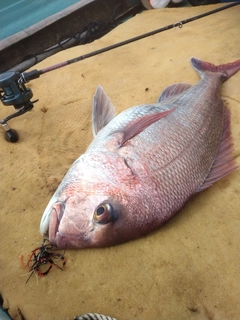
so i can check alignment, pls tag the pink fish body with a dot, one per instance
(144, 164)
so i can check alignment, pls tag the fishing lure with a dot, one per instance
(42, 259)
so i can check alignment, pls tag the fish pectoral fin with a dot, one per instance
(138, 125)
(224, 162)
(103, 110)
(174, 90)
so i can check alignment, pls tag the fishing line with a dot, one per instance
(12, 83)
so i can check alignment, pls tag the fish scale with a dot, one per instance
(143, 164)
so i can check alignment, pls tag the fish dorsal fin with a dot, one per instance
(224, 162)
(138, 125)
(173, 90)
(103, 110)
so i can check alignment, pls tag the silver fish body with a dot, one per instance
(144, 164)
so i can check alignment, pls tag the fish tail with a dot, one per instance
(227, 70)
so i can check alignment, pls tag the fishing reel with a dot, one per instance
(14, 92)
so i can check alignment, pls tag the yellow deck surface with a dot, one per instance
(187, 270)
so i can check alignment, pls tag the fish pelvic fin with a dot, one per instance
(227, 70)
(103, 110)
(224, 162)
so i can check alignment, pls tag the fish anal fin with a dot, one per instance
(224, 162)
(140, 124)
(173, 90)
(103, 110)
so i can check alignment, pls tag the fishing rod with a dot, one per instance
(12, 83)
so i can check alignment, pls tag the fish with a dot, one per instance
(144, 164)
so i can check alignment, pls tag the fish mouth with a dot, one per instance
(56, 215)
(57, 238)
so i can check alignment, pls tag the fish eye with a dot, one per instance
(104, 213)
(100, 210)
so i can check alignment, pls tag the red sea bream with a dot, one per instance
(144, 164)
